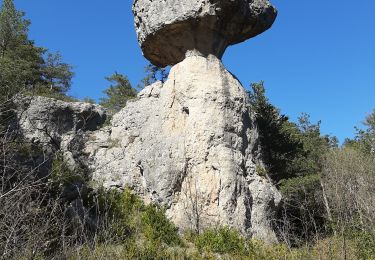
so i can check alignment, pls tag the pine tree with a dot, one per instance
(13, 27)
(58, 75)
(289, 149)
(24, 66)
(118, 93)
(153, 74)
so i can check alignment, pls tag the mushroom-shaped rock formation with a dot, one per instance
(168, 29)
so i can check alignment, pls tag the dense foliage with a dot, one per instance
(327, 190)
(24, 66)
(118, 94)
(289, 149)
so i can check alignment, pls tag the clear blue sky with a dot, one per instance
(318, 58)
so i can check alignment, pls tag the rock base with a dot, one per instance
(190, 144)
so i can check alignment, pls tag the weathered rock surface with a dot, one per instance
(47, 120)
(191, 145)
(168, 29)
(60, 126)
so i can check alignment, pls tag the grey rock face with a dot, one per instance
(191, 145)
(167, 29)
(59, 126)
(48, 121)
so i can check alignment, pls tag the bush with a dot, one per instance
(125, 217)
(158, 228)
(62, 175)
(303, 215)
(221, 240)
(364, 245)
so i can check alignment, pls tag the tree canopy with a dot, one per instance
(153, 74)
(119, 92)
(289, 149)
(24, 66)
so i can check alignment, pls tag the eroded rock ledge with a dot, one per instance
(167, 29)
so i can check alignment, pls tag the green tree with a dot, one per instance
(118, 93)
(277, 135)
(57, 74)
(294, 154)
(20, 60)
(153, 74)
(314, 147)
(24, 66)
(365, 138)
(13, 27)
(289, 149)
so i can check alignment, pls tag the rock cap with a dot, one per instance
(167, 29)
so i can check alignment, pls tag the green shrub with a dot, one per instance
(118, 213)
(62, 174)
(129, 218)
(222, 240)
(364, 244)
(157, 227)
(258, 250)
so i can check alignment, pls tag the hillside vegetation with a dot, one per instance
(328, 210)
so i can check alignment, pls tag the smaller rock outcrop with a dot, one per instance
(47, 120)
(168, 29)
(57, 125)
(59, 130)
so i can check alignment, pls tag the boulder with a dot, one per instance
(47, 121)
(168, 29)
(59, 126)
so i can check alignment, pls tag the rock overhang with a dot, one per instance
(168, 29)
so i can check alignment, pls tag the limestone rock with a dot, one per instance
(59, 126)
(167, 29)
(49, 121)
(190, 144)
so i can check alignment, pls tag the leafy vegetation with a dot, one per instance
(222, 240)
(327, 190)
(289, 149)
